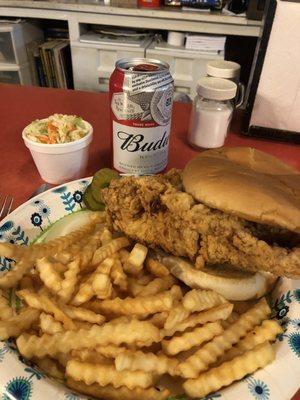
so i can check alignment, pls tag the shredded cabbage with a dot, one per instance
(58, 128)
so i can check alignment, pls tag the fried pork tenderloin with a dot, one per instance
(235, 206)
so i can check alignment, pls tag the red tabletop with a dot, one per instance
(20, 105)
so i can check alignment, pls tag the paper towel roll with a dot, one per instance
(176, 38)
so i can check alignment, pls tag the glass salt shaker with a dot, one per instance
(212, 112)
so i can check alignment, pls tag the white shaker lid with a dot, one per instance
(216, 88)
(223, 69)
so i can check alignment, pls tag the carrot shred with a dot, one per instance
(52, 131)
(44, 139)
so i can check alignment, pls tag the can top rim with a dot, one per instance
(125, 63)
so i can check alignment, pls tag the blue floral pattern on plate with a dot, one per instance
(258, 389)
(21, 380)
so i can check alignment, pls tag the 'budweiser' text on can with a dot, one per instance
(141, 98)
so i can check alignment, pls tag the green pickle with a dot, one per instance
(90, 201)
(101, 180)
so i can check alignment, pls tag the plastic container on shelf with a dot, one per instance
(58, 163)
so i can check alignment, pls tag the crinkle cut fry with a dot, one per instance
(135, 261)
(86, 291)
(139, 305)
(49, 275)
(39, 250)
(149, 362)
(64, 342)
(68, 254)
(14, 326)
(118, 276)
(156, 268)
(159, 319)
(109, 249)
(88, 250)
(102, 286)
(267, 331)
(123, 393)
(48, 324)
(44, 303)
(82, 314)
(110, 350)
(230, 371)
(70, 280)
(233, 317)
(90, 356)
(106, 236)
(62, 287)
(14, 275)
(209, 353)
(157, 285)
(191, 339)
(26, 255)
(104, 375)
(177, 315)
(214, 314)
(199, 300)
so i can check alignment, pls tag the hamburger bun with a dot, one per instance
(247, 183)
(232, 284)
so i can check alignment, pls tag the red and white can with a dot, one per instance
(141, 98)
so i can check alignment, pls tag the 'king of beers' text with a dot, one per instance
(136, 142)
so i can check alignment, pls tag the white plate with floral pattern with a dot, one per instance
(21, 380)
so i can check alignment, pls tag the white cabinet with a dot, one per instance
(186, 66)
(15, 45)
(12, 73)
(94, 63)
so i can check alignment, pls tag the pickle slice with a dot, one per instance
(90, 202)
(101, 180)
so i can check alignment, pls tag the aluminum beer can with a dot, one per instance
(141, 98)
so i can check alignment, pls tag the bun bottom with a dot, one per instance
(233, 285)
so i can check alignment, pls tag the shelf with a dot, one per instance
(169, 19)
(9, 67)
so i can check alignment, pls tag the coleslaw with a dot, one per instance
(57, 128)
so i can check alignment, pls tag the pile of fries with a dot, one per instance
(103, 315)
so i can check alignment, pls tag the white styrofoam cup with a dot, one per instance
(61, 162)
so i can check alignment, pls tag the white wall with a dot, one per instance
(277, 103)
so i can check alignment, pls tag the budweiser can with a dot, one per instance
(141, 98)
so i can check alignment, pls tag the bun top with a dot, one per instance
(248, 183)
